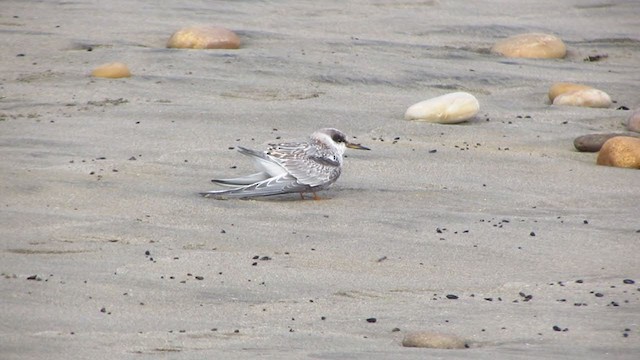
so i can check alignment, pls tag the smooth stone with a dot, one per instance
(633, 123)
(112, 70)
(204, 37)
(433, 340)
(563, 87)
(594, 142)
(588, 98)
(451, 108)
(620, 151)
(532, 46)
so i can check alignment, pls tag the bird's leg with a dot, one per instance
(302, 196)
(315, 196)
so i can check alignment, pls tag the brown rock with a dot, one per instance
(532, 45)
(434, 340)
(563, 87)
(111, 70)
(620, 151)
(204, 37)
(633, 123)
(593, 142)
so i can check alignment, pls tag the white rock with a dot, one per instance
(451, 108)
(588, 97)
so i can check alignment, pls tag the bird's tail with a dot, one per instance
(273, 186)
(244, 180)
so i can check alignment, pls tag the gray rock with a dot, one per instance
(593, 142)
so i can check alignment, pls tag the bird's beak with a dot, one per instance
(356, 146)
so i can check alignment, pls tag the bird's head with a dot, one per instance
(337, 138)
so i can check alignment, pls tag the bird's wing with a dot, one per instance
(263, 162)
(278, 185)
(304, 162)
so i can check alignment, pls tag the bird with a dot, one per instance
(291, 167)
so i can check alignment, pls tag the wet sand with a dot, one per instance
(496, 230)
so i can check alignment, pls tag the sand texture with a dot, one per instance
(495, 231)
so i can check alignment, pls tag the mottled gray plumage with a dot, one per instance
(294, 167)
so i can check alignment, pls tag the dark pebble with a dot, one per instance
(628, 281)
(599, 294)
(556, 328)
(593, 142)
(598, 57)
(532, 234)
(452, 297)
(372, 320)
(199, 277)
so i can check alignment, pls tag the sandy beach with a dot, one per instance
(495, 230)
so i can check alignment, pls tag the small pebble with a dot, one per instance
(204, 37)
(620, 151)
(450, 108)
(532, 46)
(112, 70)
(433, 340)
(372, 320)
(628, 281)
